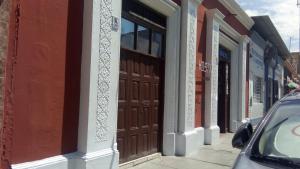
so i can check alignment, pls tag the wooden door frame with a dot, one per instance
(152, 27)
(170, 111)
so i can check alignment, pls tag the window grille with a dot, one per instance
(258, 93)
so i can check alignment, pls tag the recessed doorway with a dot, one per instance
(141, 81)
(224, 89)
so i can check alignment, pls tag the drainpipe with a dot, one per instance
(267, 85)
(274, 69)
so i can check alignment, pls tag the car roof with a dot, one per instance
(294, 95)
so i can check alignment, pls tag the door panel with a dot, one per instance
(140, 105)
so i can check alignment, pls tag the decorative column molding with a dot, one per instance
(212, 130)
(99, 85)
(242, 69)
(187, 66)
(171, 82)
(187, 135)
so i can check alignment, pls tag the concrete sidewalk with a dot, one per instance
(218, 156)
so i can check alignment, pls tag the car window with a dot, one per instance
(281, 135)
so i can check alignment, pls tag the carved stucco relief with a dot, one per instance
(104, 70)
(214, 73)
(192, 67)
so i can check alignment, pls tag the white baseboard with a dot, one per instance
(189, 142)
(108, 158)
(211, 135)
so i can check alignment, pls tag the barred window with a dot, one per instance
(258, 93)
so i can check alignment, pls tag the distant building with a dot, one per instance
(268, 53)
(295, 61)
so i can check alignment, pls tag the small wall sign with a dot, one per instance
(206, 68)
(115, 24)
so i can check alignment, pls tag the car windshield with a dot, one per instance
(280, 138)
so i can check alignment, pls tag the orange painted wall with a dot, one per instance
(42, 80)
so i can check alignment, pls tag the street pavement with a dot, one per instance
(219, 156)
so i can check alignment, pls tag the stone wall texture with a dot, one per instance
(4, 15)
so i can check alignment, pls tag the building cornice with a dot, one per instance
(166, 7)
(241, 15)
(216, 14)
(224, 26)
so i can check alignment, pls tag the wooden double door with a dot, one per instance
(140, 105)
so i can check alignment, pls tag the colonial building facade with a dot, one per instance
(103, 83)
(223, 47)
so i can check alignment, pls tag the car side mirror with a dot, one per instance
(242, 135)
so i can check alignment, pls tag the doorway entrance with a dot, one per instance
(224, 89)
(141, 80)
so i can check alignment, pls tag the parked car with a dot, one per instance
(276, 140)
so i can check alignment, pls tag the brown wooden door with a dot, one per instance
(224, 96)
(140, 105)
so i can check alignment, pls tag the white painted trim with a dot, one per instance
(171, 83)
(165, 7)
(227, 42)
(75, 160)
(224, 26)
(56, 160)
(215, 14)
(235, 8)
(99, 87)
(97, 154)
(211, 83)
(234, 48)
(188, 137)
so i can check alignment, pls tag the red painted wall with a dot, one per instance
(229, 18)
(200, 56)
(7, 129)
(42, 79)
(177, 1)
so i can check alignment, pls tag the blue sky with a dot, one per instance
(284, 14)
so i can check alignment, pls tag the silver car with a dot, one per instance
(276, 140)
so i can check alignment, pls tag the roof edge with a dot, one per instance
(280, 44)
(242, 16)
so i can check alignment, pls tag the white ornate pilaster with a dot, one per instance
(242, 68)
(212, 130)
(99, 85)
(187, 134)
(171, 82)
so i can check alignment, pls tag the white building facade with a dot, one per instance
(256, 78)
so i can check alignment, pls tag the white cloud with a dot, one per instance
(283, 13)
